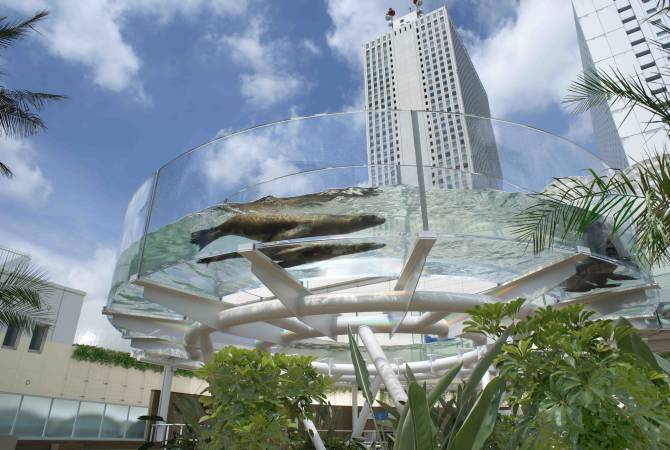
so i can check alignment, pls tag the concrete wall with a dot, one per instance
(53, 373)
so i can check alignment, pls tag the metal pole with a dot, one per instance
(354, 403)
(419, 169)
(313, 434)
(164, 402)
(384, 369)
(362, 419)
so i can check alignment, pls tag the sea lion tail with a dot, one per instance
(203, 237)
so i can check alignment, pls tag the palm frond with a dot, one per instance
(599, 87)
(10, 32)
(15, 121)
(662, 7)
(6, 171)
(22, 287)
(637, 201)
(30, 100)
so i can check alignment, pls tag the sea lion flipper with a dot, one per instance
(619, 276)
(202, 238)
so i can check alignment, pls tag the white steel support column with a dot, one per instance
(362, 419)
(164, 401)
(317, 442)
(354, 403)
(384, 369)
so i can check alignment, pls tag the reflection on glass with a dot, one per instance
(9, 403)
(136, 427)
(88, 421)
(62, 417)
(32, 416)
(114, 423)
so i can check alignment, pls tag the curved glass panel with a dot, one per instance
(350, 199)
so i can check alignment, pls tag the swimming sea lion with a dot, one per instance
(298, 254)
(593, 274)
(317, 198)
(278, 227)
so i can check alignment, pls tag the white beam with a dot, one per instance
(384, 369)
(540, 280)
(411, 271)
(286, 288)
(362, 419)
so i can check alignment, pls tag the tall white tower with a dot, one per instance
(620, 36)
(421, 64)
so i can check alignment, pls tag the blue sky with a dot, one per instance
(148, 79)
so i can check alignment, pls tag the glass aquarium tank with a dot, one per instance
(284, 235)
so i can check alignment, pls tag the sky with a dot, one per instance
(149, 79)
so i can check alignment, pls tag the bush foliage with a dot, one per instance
(256, 398)
(91, 353)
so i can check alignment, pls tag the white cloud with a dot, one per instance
(530, 61)
(267, 79)
(264, 90)
(580, 129)
(250, 158)
(311, 47)
(356, 22)
(29, 184)
(90, 33)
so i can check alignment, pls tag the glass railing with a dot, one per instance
(341, 196)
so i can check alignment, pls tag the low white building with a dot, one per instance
(47, 396)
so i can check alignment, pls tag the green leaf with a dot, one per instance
(361, 369)
(481, 368)
(475, 378)
(629, 341)
(421, 422)
(442, 385)
(663, 363)
(480, 422)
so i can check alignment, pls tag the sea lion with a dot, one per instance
(298, 254)
(593, 274)
(278, 227)
(318, 198)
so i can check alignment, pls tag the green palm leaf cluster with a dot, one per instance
(19, 108)
(635, 201)
(22, 287)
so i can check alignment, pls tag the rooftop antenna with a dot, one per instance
(417, 4)
(390, 14)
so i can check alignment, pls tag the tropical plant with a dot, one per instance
(436, 419)
(256, 397)
(19, 108)
(575, 382)
(635, 200)
(22, 287)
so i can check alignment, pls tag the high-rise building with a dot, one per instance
(421, 64)
(621, 36)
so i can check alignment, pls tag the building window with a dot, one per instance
(11, 339)
(38, 338)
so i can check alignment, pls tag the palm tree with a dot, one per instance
(19, 108)
(636, 200)
(22, 287)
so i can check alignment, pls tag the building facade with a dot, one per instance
(48, 398)
(422, 64)
(621, 36)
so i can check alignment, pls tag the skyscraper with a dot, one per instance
(421, 64)
(620, 36)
